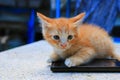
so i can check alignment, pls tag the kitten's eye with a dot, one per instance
(70, 37)
(56, 37)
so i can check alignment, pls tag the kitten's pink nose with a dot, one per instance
(63, 45)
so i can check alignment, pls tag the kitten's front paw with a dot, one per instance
(69, 63)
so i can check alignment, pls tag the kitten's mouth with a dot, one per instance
(64, 47)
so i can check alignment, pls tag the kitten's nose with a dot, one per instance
(63, 45)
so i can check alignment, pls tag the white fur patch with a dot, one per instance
(58, 51)
(68, 62)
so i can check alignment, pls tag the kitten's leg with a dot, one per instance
(114, 55)
(53, 57)
(84, 55)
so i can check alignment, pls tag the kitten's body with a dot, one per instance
(88, 41)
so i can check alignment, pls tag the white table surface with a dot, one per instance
(29, 63)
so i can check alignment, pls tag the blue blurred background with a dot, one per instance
(19, 24)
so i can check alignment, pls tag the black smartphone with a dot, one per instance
(97, 65)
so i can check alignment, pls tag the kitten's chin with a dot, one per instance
(63, 49)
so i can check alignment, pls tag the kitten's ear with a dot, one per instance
(45, 21)
(77, 20)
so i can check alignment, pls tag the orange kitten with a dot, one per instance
(75, 42)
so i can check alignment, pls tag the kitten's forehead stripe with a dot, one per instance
(62, 27)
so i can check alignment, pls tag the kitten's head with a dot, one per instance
(61, 33)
